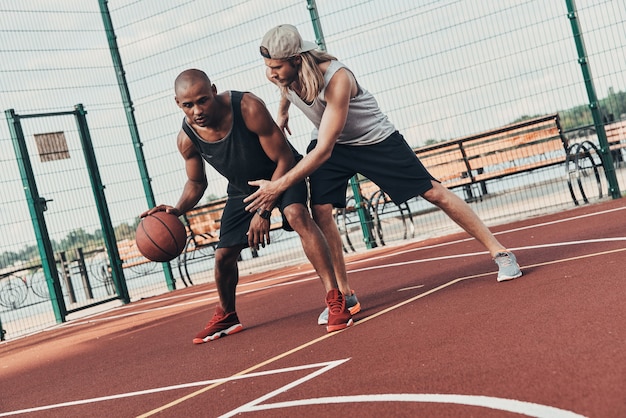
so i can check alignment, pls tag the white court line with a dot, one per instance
(172, 306)
(404, 289)
(508, 231)
(447, 257)
(500, 404)
(354, 270)
(250, 406)
(324, 367)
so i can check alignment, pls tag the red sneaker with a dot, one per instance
(221, 325)
(339, 316)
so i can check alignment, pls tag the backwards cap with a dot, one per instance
(284, 41)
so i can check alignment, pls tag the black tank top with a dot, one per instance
(238, 156)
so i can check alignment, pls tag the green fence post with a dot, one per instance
(132, 123)
(365, 217)
(97, 188)
(317, 25)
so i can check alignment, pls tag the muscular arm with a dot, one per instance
(282, 119)
(258, 120)
(338, 93)
(196, 182)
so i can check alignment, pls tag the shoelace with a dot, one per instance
(215, 320)
(336, 305)
(504, 260)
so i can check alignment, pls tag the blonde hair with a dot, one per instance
(310, 77)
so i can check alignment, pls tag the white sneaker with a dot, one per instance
(508, 268)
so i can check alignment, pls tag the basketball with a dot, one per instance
(160, 237)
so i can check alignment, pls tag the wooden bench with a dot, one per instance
(616, 137)
(469, 162)
(203, 231)
(203, 225)
(512, 149)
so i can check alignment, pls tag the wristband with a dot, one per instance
(265, 214)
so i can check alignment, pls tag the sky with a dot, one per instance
(440, 70)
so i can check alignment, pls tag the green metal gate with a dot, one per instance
(55, 184)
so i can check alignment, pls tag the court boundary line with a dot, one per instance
(506, 231)
(529, 247)
(490, 402)
(495, 403)
(323, 366)
(247, 406)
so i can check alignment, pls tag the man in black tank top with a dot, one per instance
(235, 133)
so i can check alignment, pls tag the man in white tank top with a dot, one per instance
(352, 135)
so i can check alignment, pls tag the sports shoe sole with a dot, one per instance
(339, 327)
(228, 331)
(355, 309)
(506, 278)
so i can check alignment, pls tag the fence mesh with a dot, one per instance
(440, 70)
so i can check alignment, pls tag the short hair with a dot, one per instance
(190, 76)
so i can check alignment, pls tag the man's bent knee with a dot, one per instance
(436, 194)
(297, 215)
(227, 255)
(322, 213)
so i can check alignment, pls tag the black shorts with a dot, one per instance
(236, 219)
(391, 164)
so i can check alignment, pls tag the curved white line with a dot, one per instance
(501, 404)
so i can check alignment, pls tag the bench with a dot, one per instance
(203, 231)
(203, 224)
(616, 137)
(512, 149)
(470, 162)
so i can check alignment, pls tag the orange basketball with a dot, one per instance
(160, 237)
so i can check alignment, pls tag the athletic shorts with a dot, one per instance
(236, 219)
(391, 164)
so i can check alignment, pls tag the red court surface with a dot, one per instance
(438, 337)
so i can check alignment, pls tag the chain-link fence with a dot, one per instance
(441, 70)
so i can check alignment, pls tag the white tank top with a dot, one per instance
(366, 124)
